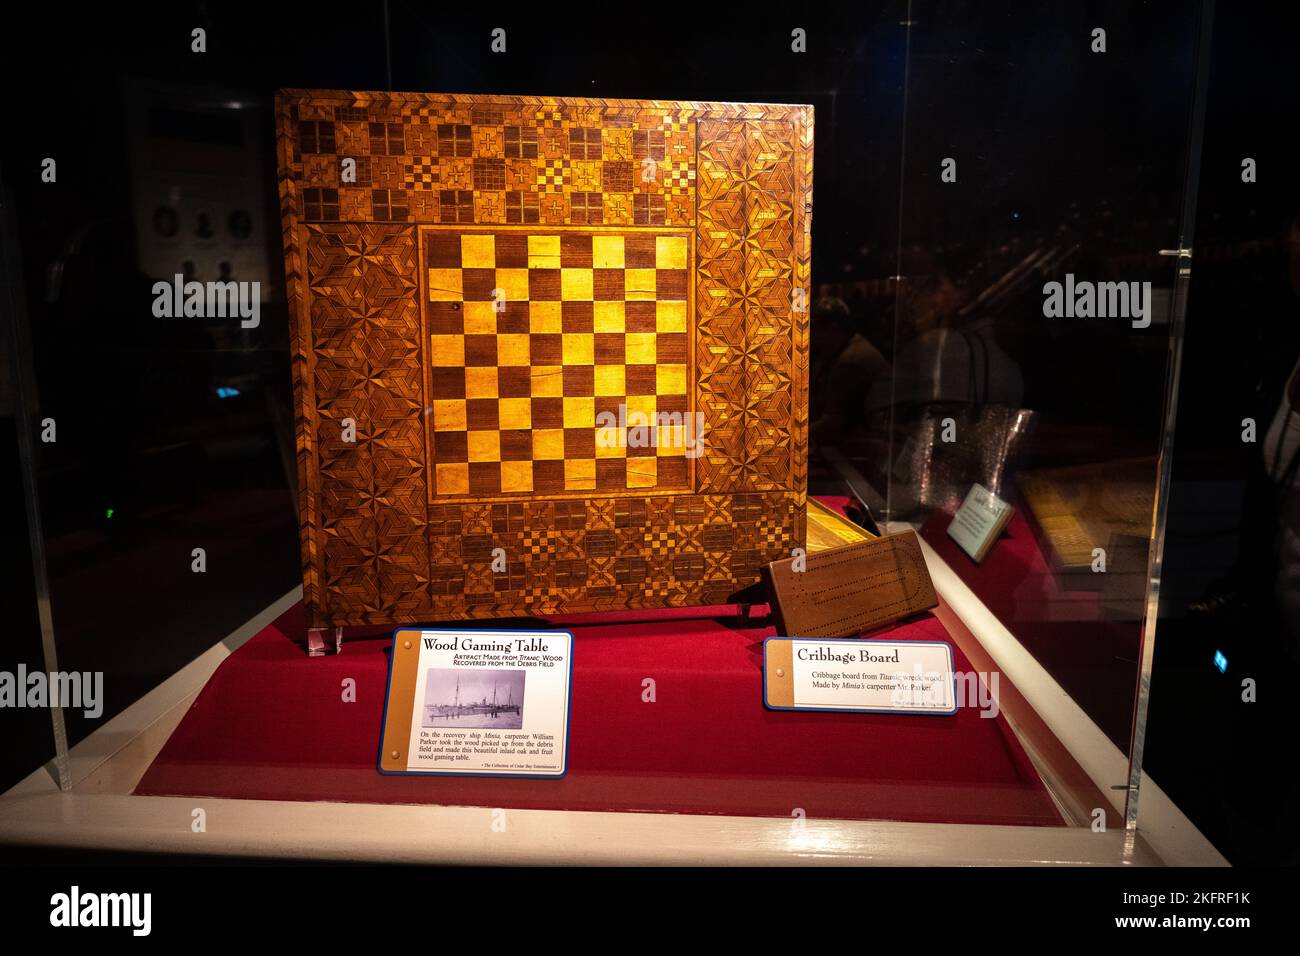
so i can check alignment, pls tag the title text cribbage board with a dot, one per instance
(500, 293)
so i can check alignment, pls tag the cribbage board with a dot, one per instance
(570, 337)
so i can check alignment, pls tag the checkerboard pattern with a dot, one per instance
(582, 325)
(387, 536)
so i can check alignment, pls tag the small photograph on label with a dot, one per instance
(474, 698)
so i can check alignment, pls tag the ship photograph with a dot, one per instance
(474, 698)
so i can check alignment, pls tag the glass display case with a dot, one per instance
(975, 279)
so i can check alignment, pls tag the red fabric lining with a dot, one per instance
(1067, 631)
(271, 724)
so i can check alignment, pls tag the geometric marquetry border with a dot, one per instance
(375, 549)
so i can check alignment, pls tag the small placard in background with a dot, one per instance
(896, 677)
(978, 522)
(481, 703)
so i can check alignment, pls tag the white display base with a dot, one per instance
(1170, 833)
(100, 813)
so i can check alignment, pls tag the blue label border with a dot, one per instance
(392, 657)
(863, 710)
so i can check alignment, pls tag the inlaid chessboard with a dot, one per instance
(589, 326)
(549, 354)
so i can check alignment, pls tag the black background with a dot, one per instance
(1051, 139)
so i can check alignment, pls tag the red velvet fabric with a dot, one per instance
(1093, 658)
(271, 724)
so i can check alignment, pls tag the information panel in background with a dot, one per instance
(483, 703)
(978, 522)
